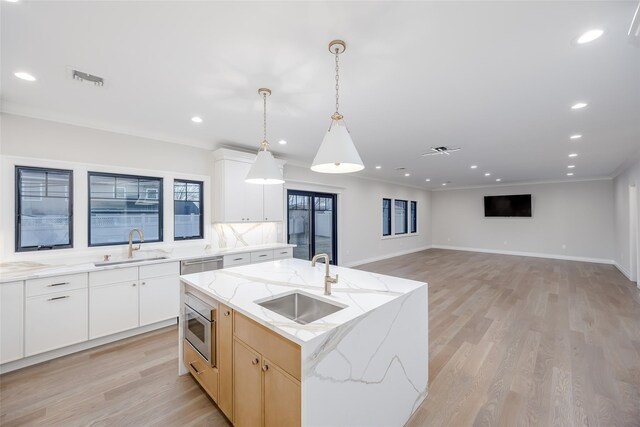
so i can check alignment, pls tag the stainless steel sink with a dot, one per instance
(128, 261)
(300, 308)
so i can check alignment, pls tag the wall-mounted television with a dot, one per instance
(505, 206)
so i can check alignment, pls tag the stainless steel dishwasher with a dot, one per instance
(199, 265)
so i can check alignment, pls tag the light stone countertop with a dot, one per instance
(11, 271)
(360, 292)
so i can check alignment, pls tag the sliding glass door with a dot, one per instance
(312, 224)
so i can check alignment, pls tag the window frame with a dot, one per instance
(388, 221)
(201, 184)
(121, 175)
(406, 217)
(18, 209)
(413, 217)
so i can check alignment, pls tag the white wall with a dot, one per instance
(622, 241)
(32, 142)
(572, 220)
(360, 214)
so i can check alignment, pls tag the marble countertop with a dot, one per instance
(360, 292)
(24, 270)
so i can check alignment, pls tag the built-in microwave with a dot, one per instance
(199, 327)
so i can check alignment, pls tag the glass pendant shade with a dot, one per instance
(337, 153)
(265, 170)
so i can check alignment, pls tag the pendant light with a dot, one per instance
(337, 154)
(265, 170)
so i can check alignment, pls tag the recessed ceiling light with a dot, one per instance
(474, 166)
(196, 119)
(487, 174)
(444, 183)
(25, 76)
(282, 142)
(573, 155)
(407, 174)
(428, 180)
(571, 166)
(378, 167)
(590, 36)
(569, 173)
(12, 1)
(578, 105)
(575, 136)
(498, 179)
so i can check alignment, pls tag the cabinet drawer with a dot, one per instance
(129, 274)
(281, 351)
(237, 259)
(201, 371)
(283, 253)
(158, 270)
(56, 320)
(55, 284)
(261, 256)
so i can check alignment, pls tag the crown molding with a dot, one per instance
(519, 183)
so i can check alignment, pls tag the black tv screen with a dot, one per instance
(517, 205)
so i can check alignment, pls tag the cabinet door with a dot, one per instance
(225, 360)
(113, 308)
(56, 320)
(281, 397)
(247, 387)
(159, 299)
(253, 199)
(11, 321)
(273, 202)
(234, 191)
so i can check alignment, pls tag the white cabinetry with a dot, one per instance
(11, 321)
(237, 201)
(57, 315)
(159, 293)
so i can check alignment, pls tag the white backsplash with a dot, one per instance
(238, 235)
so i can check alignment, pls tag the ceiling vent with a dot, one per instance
(86, 77)
(441, 150)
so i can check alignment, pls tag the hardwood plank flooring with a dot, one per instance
(514, 341)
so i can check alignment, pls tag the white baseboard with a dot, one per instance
(54, 354)
(385, 256)
(529, 254)
(624, 271)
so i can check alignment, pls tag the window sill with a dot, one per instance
(399, 236)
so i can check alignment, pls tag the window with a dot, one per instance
(414, 216)
(400, 216)
(118, 203)
(386, 217)
(187, 210)
(44, 209)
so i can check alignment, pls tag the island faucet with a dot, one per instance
(131, 248)
(328, 280)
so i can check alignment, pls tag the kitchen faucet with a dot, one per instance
(131, 248)
(328, 280)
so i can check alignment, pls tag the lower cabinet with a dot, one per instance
(11, 321)
(159, 299)
(56, 320)
(206, 376)
(247, 386)
(225, 360)
(282, 405)
(114, 308)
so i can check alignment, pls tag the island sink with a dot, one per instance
(299, 307)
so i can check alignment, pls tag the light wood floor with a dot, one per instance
(513, 341)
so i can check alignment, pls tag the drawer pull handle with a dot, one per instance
(265, 367)
(226, 313)
(238, 259)
(255, 361)
(194, 368)
(57, 298)
(59, 284)
(262, 256)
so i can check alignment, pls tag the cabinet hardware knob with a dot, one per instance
(133, 284)
(194, 368)
(226, 313)
(255, 361)
(144, 283)
(265, 367)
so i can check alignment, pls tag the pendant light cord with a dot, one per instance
(337, 83)
(264, 118)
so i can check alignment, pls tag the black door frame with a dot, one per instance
(334, 220)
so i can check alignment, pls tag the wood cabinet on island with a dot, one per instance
(357, 357)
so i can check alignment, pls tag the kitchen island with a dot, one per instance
(366, 363)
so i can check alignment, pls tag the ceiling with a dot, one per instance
(495, 78)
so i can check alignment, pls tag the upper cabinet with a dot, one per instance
(234, 200)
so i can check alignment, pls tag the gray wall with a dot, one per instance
(622, 183)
